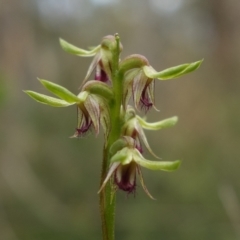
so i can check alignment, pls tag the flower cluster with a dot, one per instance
(115, 81)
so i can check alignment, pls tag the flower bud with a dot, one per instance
(109, 43)
(133, 61)
(98, 88)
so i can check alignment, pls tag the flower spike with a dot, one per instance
(103, 101)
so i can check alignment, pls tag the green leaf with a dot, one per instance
(78, 51)
(54, 102)
(60, 91)
(172, 72)
(169, 122)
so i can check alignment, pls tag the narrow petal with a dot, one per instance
(44, 99)
(105, 122)
(143, 184)
(139, 84)
(143, 137)
(93, 109)
(150, 92)
(128, 86)
(112, 168)
(166, 123)
(92, 66)
(105, 59)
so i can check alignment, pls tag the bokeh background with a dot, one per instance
(49, 182)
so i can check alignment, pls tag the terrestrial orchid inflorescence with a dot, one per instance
(96, 97)
(105, 101)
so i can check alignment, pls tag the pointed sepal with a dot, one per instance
(44, 99)
(155, 165)
(69, 48)
(143, 183)
(59, 91)
(172, 72)
(166, 123)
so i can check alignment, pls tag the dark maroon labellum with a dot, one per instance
(100, 74)
(125, 177)
(146, 100)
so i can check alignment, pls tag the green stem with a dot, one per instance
(108, 196)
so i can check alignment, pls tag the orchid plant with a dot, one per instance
(104, 101)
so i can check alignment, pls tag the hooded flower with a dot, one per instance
(88, 114)
(137, 84)
(140, 79)
(92, 112)
(126, 165)
(102, 60)
(141, 88)
(91, 104)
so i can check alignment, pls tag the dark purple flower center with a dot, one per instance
(145, 100)
(100, 74)
(83, 129)
(125, 177)
(137, 141)
(85, 123)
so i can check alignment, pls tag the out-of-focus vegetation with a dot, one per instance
(49, 182)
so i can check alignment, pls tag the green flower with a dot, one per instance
(102, 60)
(126, 165)
(140, 79)
(134, 127)
(91, 104)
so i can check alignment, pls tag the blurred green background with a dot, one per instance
(49, 182)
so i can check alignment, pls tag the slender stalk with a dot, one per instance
(108, 196)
